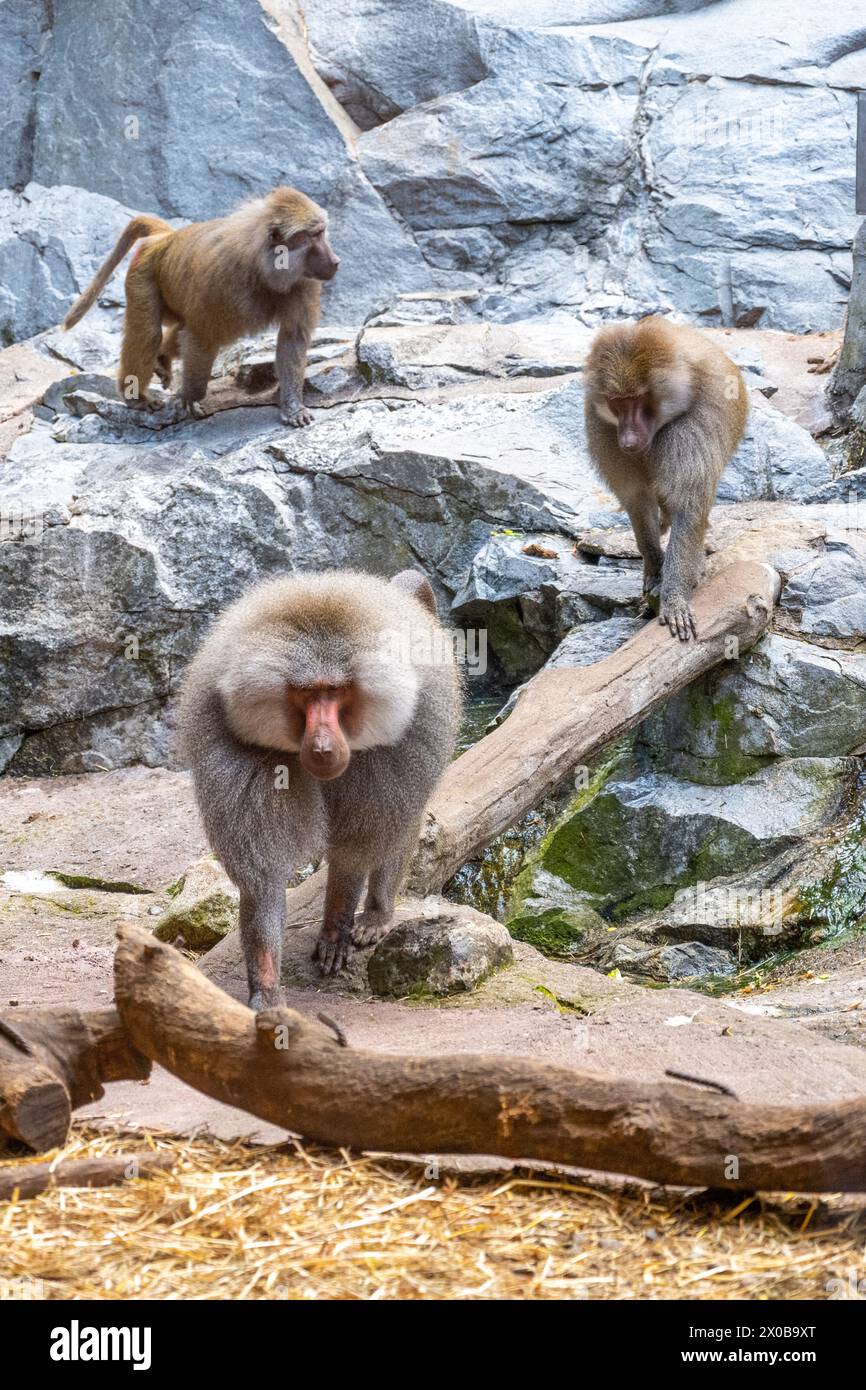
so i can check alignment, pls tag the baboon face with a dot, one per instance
(298, 246)
(322, 718)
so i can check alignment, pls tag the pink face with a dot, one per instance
(320, 718)
(635, 421)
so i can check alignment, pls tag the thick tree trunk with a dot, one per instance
(53, 1060)
(562, 717)
(294, 1073)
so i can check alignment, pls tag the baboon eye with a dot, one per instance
(274, 236)
(298, 240)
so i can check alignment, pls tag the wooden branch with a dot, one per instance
(295, 1073)
(52, 1061)
(562, 717)
(25, 1180)
(565, 715)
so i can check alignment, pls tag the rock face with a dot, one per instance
(446, 954)
(632, 842)
(594, 159)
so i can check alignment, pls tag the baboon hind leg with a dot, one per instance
(386, 880)
(142, 337)
(346, 875)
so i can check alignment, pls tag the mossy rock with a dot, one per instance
(205, 910)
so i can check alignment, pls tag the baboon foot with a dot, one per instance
(370, 927)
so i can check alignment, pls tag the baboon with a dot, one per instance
(318, 716)
(665, 411)
(213, 282)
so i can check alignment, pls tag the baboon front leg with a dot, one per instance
(262, 924)
(198, 361)
(345, 882)
(142, 337)
(291, 363)
(643, 514)
(684, 559)
(169, 349)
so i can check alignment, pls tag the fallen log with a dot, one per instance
(561, 719)
(53, 1060)
(20, 1181)
(296, 1073)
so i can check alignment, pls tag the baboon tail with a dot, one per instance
(139, 227)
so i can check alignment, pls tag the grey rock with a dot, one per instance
(683, 960)
(777, 460)
(446, 954)
(720, 255)
(438, 307)
(51, 242)
(425, 356)
(827, 597)
(24, 32)
(504, 152)
(785, 698)
(233, 80)
(380, 59)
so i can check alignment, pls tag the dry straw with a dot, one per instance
(235, 1220)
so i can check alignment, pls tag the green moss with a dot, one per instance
(104, 885)
(837, 900)
(516, 651)
(202, 924)
(555, 931)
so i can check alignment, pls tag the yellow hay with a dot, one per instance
(235, 1220)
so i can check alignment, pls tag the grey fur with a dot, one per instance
(296, 631)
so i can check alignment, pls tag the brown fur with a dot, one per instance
(213, 282)
(696, 413)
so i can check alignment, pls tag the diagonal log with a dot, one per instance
(295, 1073)
(562, 717)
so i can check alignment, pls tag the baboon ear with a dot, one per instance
(418, 586)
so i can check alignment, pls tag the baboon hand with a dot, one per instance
(296, 416)
(332, 952)
(676, 612)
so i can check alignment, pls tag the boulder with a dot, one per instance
(380, 59)
(448, 953)
(52, 241)
(785, 698)
(685, 960)
(827, 597)
(206, 908)
(628, 842)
